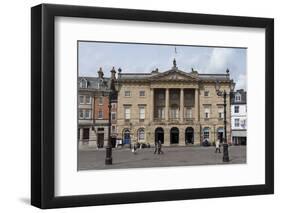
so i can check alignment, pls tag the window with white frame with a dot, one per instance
(87, 114)
(142, 112)
(236, 109)
(100, 114)
(188, 113)
(141, 134)
(238, 97)
(127, 113)
(243, 123)
(236, 122)
(221, 112)
(113, 116)
(83, 83)
(81, 99)
(100, 100)
(88, 99)
(127, 93)
(207, 112)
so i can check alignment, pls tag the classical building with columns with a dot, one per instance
(175, 107)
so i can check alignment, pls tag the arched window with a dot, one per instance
(206, 133)
(141, 135)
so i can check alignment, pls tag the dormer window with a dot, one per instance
(238, 97)
(83, 83)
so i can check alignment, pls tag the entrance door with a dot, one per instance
(100, 140)
(159, 135)
(174, 135)
(189, 135)
(127, 137)
(220, 134)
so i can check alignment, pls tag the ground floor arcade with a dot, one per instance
(173, 134)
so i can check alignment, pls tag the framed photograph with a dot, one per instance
(134, 106)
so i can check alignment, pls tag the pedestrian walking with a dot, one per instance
(160, 147)
(218, 146)
(155, 147)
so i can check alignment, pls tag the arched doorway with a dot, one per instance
(126, 136)
(174, 135)
(220, 134)
(159, 135)
(189, 135)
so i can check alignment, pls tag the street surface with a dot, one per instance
(173, 156)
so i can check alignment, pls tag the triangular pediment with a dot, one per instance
(174, 75)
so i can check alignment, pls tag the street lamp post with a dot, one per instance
(108, 158)
(224, 95)
(112, 94)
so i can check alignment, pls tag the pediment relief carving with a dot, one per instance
(174, 76)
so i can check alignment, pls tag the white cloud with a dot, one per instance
(220, 60)
(241, 82)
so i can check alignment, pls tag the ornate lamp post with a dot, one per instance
(224, 94)
(114, 87)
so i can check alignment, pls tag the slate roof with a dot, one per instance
(94, 83)
(243, 97)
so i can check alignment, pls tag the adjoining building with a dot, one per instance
(93, 115)
(239, 117)
(175, 107)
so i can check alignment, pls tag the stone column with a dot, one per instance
(196, 105)
(167, 105)
(151, 104)
(181, 104)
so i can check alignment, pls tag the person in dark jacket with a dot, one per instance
(160, 147)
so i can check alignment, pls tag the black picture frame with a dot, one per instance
(43, 105)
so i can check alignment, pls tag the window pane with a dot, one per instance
(100, 114)
(127, 93)
(142, 113)
(236, 122)
(81, 113)
(100, 100)
(127, 113)
(113, 116)
(142, 93)
(81, 99)
(206, 133)
(141, 134)
(88, 99)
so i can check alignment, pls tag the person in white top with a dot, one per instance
(218, 147)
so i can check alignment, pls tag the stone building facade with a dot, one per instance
(175, 107)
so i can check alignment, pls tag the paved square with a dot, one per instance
(144, 158)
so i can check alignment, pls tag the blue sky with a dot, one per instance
(146, 57)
